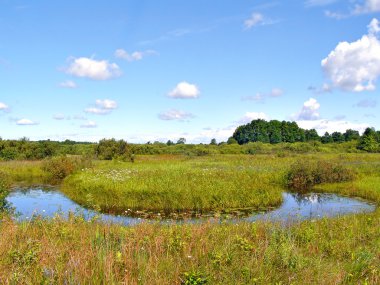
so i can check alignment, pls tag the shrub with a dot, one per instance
(61, 166)
(305, 174)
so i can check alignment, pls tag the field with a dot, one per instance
(343, 250)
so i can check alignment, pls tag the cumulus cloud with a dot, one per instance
(68, 84)
(4, 107)
(174, 114)
(102, 107)
(89, 125)
(260, 97)
(355, 66)
(366, 103)
(184, 90)
(134, 56)
(374, 26)
(26, 122)
(93, 69)
(249, 116)
(309, 111)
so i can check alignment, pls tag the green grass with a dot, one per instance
(178, 184)
(337, 251)
(26, 172)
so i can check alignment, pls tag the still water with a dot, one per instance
(49, 201)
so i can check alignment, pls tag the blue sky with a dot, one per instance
(158, 70)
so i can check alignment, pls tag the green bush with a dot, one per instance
(61, 166)
(305, 174)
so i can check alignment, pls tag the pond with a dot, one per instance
(49, 201)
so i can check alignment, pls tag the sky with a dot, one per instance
(158, 70)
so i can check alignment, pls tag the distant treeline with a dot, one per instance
(276, 132)
(256, 137)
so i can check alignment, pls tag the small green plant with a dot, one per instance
(194, 278)
(4, 185)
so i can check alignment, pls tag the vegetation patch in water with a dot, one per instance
(304, 174)
(178, 185)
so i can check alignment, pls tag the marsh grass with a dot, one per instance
(74, 251)
(26, 172)
(178, 184)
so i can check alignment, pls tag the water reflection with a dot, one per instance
(48, 201)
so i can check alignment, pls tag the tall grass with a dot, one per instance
(337, 251)
(181, 184)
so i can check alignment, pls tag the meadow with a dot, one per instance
(343, 250)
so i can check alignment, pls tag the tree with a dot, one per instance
(350, 135)
(213, 142)
(231, 140)
(326, 138)
(181, 141)
(311, 135)
(108, 149)
(368, 141)
(337, 137)
(169, 142)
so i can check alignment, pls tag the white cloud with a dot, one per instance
(366, 103)
(89, 125)
(26, 122)
(102, 107)
(369, 6)
(135, 56)
(59, 117)
(4, 107)
(79, 117)
(93, 69)
(249, 116)
(184, 90)
(355, 66)
(258, 19)
(68, 84)
(312, 3)
(254, 20)
(330, 126)
(309, 111)
(174, 114)
(260, 97)
(373, 27)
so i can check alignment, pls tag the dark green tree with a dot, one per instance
(350, 135)
(326, 138)
(311, 135)
(181, 141)
(368, 141)
(337, 137)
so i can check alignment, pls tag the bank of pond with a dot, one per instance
(49, 201)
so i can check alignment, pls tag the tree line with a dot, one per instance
(276, 131)
(258, 136)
